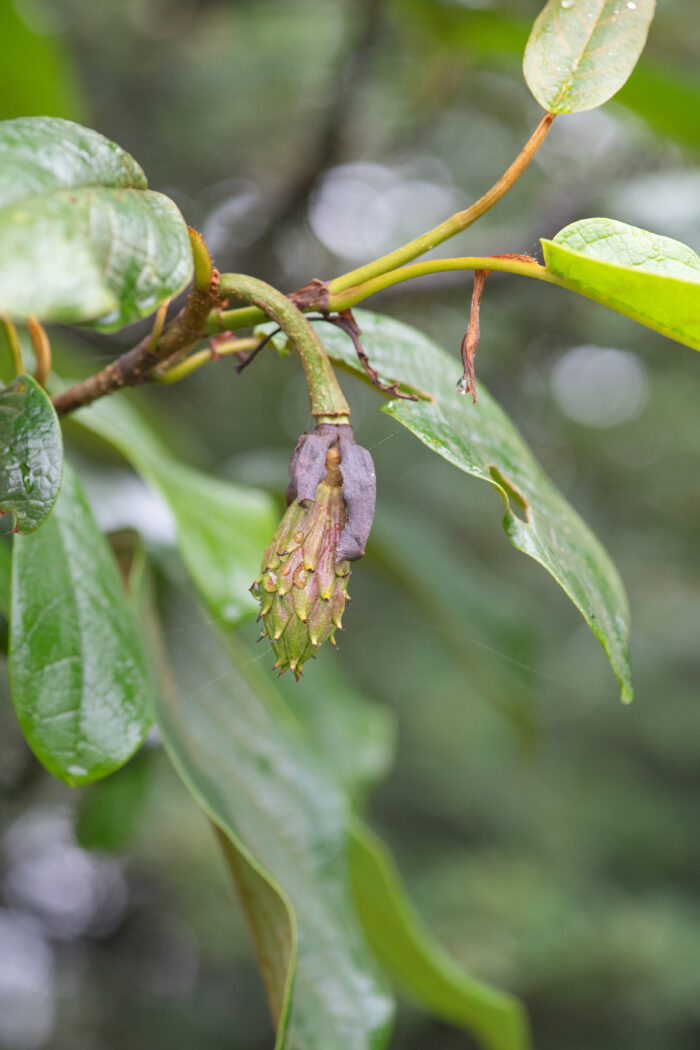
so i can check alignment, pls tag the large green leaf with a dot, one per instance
(109, 812)
(39, 155)
(244, 759)
(347, 745)
(403, 947)
(31, 453)
(82, 238)
(222, 528)
(5, 576)
(581, 52)
(417, 962)
(653, 279)
(80, 680)
(481, 440)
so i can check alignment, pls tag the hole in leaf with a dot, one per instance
(518, 503)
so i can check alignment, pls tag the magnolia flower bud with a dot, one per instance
(302, 586)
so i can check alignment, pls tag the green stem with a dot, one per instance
(328, 404)
(244, 318)
(231, 320)
(202, 357)
(458, 222)
(355, 295)
(12, 341)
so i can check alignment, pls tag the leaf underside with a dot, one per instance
(581, 52)
(652, 279)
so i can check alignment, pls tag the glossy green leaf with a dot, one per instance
(481, 440)
(82, 238)
(416, 961)
(5, 576)
(222, 528)
(347, 743)
(581, 52)
(31, 453)
(244, 759)
(654, 280)
(108, 815)
(80, 681)
(405, 949)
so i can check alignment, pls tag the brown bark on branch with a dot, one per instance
(136, 365)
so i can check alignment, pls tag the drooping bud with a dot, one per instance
(302, 586)
(307, 468)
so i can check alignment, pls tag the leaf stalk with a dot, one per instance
(458, 222)
(328, 404)
(11, 338)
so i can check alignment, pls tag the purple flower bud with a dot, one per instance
(359, 493)
(302, 586)
(308, 467)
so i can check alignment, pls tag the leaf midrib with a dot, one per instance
(64, 536)
(564, 90)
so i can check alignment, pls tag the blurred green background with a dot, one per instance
(548, 835)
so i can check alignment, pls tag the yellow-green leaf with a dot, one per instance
(653, 279)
